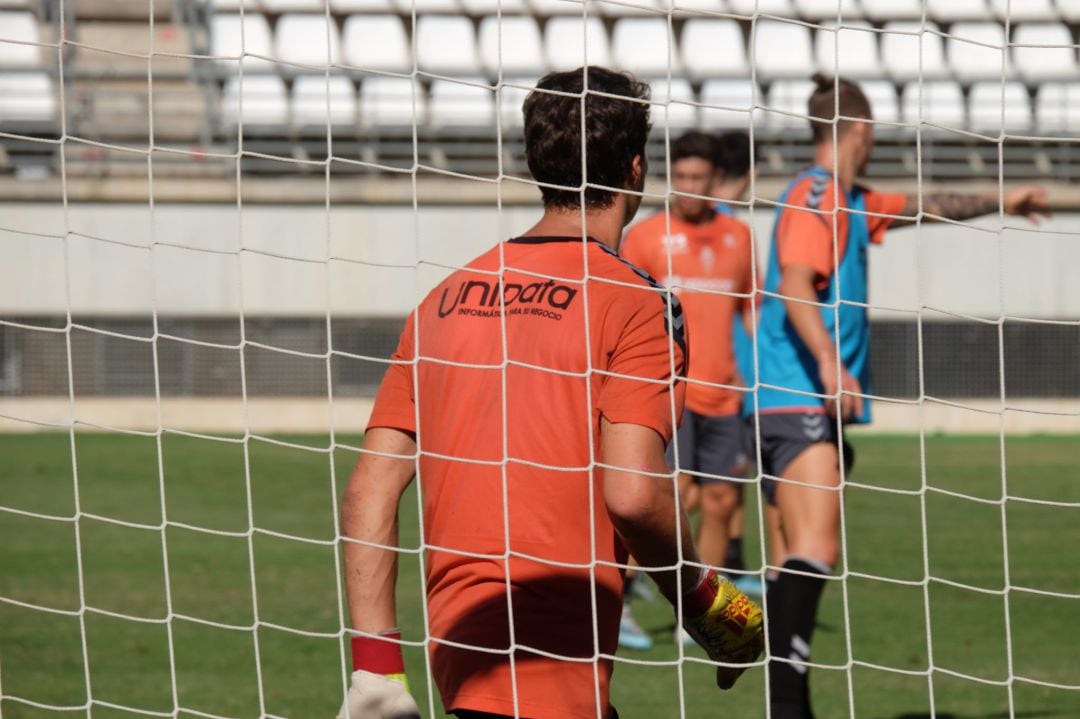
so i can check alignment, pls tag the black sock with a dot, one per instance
(733, 557)
(793, 603)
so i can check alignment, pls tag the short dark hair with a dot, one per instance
(615, 132)
(824, 104)
(694, 144)
(733, 153)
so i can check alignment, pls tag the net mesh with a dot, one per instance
(197, 102)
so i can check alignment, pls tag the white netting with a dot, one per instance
(217, 213)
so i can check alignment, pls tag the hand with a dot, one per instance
(378, 696)
(379, 689)
(726, 624)
(1028, 201)
(848, 395)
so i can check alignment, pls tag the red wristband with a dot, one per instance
(378, 655)
(700, 599)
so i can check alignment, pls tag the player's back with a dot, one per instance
(514, 373)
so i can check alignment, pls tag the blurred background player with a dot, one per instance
(704, 257)
(735, 170)
(569, 529)
(813, 297)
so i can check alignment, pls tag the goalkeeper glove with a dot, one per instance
(379, 689)
(725, 623)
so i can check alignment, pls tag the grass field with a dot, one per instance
(218, 671)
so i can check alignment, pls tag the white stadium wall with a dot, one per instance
(282, 272)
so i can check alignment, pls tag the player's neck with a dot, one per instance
(604, 226)
(840, 163)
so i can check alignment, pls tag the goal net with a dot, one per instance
(217, 214)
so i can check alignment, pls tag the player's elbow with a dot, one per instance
(797, 281)
(635, 500)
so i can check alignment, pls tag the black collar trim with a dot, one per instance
(542, 239)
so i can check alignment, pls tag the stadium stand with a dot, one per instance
(940, 102)
(727, 104)
(446, 45)
(316, 98)
(715, 51)
(511, 45)
(850, 51)
(257, 101)
(780, 8)
(882, 94)
(457, 105)
(376, 42)
(995, 106)
(1058, 107)
(1068, 9)
(781, 49)
(389, 102)
(680, 114)
(828, 9)
(18, 33)
(1044, 51)
(911, 49)
(307, 39)
(569, 42)
(510, 97)
(787, 100)
(1026, 11)
(713, 48)
(246, 37)
(27, 99)
(976, 51)
(952, 10)
(884, 10)
(644, 47)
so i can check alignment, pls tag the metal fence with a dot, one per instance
(276, 357)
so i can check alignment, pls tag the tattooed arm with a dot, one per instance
(1029, 202)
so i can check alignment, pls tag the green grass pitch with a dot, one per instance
(295, 585)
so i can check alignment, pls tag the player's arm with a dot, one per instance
(802, 305)
(369, 515)
(1029, 201)
(640, 499)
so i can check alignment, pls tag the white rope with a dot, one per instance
(1009, 492)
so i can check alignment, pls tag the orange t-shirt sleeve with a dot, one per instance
(395, 403)
(805, 230)
(639, 388)
(882, 203)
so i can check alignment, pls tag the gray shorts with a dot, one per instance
(784, 436)
(714, 446)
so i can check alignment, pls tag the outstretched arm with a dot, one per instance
(1028, 201)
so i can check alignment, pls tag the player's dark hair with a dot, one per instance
(615, 133)
(694, 144)
(830, 95)
(733, 153)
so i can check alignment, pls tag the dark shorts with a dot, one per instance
(714, 446)
(784, 436)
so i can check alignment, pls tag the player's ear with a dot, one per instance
(638, 167)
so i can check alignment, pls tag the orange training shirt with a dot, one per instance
(509, 429)
(710, 263)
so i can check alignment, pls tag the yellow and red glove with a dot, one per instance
(726, 623)
(379, 689)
